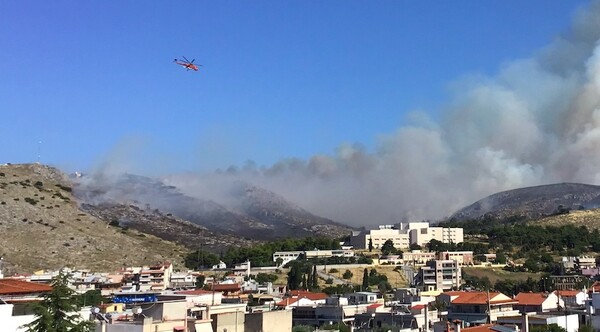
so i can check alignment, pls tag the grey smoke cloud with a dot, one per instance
(537, 121)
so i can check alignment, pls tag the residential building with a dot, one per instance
(156, 277)
(418, 257)
(269, 321)
(405, 234)
(461, 257)
(361, 297)
(477, 308)
(569, 322)
(298, 298)
(573, 298)
(20, 294)
(16, 297)
(202, 297)
(439, 275)
(586, 262)
(538, 302)
(415, 318)
(183, 280)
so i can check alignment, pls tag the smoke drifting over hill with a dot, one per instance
(537, 121)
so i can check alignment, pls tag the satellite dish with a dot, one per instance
(95, 310)
(137, 310)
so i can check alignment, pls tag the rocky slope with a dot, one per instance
(41, 226)
(533, 202)
(251, 212)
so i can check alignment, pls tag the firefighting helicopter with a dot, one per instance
(187, 64)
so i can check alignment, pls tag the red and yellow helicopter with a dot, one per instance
(187, 64)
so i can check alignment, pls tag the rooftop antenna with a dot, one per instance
(39, 154)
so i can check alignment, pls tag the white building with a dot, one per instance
(287, 256)
(405, 234)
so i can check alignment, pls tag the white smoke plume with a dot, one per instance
(537, 121)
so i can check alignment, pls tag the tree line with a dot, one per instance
(260, 254)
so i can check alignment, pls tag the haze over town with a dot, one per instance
(529, 118)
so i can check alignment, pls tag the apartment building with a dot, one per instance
(405, 234)
(440, 275)
(475, 308)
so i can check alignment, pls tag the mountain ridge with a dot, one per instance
(532, 202)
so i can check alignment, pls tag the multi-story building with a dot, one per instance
(405, 234)
(476, 308)
(416, 257)
(438, 274)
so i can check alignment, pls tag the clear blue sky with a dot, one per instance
(280, 78)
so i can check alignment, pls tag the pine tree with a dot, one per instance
(314, 281)
(365, 282)
(57, 311)
(370, 245)
(294, 277)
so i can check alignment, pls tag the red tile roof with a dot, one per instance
(568, 292)
(480, 328)
(287, 301)
(480, 298)
(374, 306)
(195, 292)
(418, 307)
(531, 298)
(14, 286)
(226, 287)
(309, 295)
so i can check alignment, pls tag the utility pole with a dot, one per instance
(489, 307)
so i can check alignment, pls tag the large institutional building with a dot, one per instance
(405, 234)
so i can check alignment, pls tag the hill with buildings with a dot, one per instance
(532, 202)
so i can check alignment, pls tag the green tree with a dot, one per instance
(315, 281)
(263, 278)
(90, 298)
(200, 259)
(200, 281)
(347, 275)
(585, 328)
(388, 248)
(547, 328)
(365, 281)
(370, 244)
(500, 258)
(57, 311)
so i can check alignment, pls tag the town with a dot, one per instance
(318, 290)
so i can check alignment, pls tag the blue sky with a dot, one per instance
(281, 79)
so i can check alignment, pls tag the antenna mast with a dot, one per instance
(39, 154)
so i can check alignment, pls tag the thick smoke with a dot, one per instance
(536, 122)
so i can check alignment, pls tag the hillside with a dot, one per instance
(587, 218)
(42, 227)
(532, 202)
(251, 212)
(282, 217)
(164, 226)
